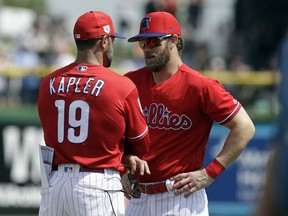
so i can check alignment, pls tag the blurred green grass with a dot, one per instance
(18, 114)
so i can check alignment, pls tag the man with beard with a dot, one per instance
(86, 114)
(180, 106)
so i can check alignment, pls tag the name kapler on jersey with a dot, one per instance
(77, 85)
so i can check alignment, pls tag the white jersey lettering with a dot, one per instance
(77, 86)
(71, 82)
(158, 116)
(61, 88)
(66, 84)
(52, 89)
(98, 86)
(87, 86)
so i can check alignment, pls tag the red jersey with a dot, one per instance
(85, 111)
(180, 112)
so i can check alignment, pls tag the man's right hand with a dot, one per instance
(131, 185)
(134, 162)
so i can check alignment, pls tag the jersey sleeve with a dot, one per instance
(218, 103)
(136, 128)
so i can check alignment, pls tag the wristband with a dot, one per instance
(214, 169)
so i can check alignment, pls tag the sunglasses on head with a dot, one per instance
(152, 42)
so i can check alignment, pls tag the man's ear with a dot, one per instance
(175, 39)
(104, 41)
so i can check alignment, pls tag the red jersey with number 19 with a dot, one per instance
(179, 113)
(85, 111)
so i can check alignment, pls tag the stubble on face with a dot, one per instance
(160, 61)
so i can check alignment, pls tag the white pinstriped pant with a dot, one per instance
(74, 193)
(164, 204)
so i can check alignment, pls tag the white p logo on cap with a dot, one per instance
(106, 29)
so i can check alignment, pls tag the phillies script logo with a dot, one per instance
(158, 116)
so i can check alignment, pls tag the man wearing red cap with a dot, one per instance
(86, 114)
(180, 106)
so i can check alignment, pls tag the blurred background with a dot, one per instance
(237, 42)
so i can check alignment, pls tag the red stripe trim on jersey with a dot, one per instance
(137, 137)
(231, 114)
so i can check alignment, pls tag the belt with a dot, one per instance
(83, 169)
(153, 188)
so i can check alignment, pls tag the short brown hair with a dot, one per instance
(180, 45)
(86, 44)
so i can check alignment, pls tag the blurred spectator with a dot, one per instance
(24, 54)
(25, 57)
(5, 63)
(258, 30)
(194, 12)
(282, 175)
(135, 61)
(219, 45)
(217, 64)
(238, 64)
(196, 53)
(283, 68)
(274, 198)
(151, 6)
(61, 42)
(169, 6)
(40, 40)
(46, 43)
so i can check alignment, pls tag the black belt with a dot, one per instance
(82, 169)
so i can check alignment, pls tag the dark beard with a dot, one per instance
(107, 59)
(160, 62)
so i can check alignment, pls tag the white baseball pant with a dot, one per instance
(74, 193)
(164, 204)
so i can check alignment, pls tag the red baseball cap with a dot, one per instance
(157, 24)
(94, 24)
